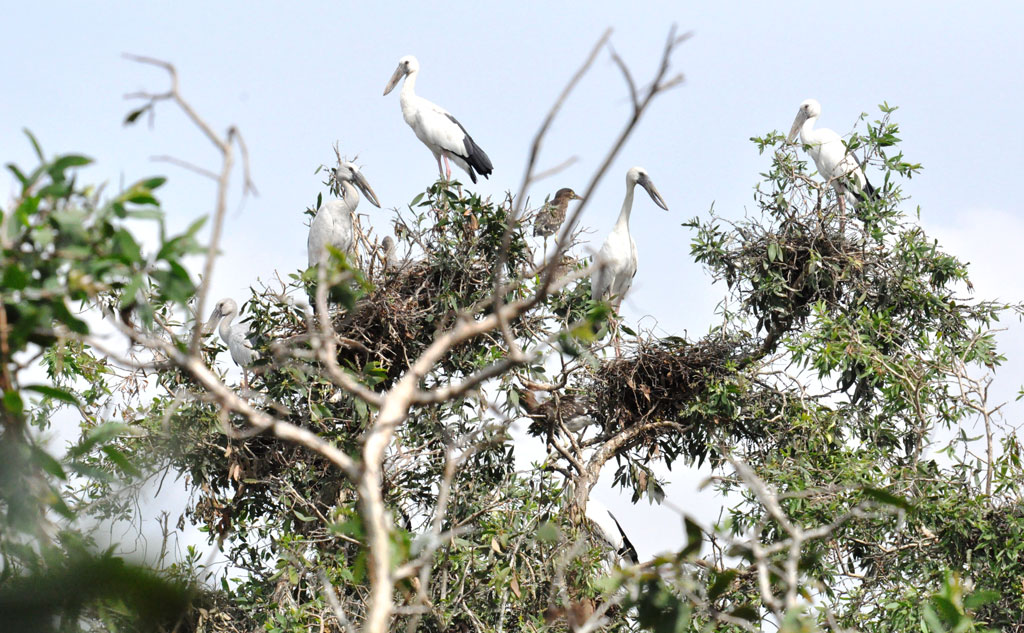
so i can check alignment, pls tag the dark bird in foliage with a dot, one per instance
(567, 409)
(835, 163)
(443, 135)
(550, 217)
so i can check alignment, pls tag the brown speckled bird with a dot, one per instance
(550, 218)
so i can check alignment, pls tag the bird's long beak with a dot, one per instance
(576, 196)
(212, 322)
(364, 186)
(395, 78)
(653, 192)
(797, 124)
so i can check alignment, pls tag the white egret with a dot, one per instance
(617, 260)
(550, 217)
(836, 164)
(332, 225)
(235, 337)
(443, 135)
(608, 528)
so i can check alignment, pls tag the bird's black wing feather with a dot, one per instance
(475, 156)
(627, 550)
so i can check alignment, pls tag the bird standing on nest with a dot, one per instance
(616, 262)
(443, 135)
(835, 163)
(550, 217)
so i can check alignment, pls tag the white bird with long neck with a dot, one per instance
(837, 165)
(443, 135)
(333, 224)
(616, 262)
(236, 337)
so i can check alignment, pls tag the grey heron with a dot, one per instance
(443, 135)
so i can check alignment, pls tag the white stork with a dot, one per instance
(837, 165)
(610, 531)
(617, 260)
(235, 337)
(443, 135)
(332, 225)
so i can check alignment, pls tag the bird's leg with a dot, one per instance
(447, 168)
(245, 381)
(842, 210)
(440, 169)
(616, 341)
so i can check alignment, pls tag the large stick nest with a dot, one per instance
(698, 385)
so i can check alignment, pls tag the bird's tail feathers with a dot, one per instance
(477, 159)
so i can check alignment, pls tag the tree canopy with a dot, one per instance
(367, 478)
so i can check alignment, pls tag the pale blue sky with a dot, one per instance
(295, 78)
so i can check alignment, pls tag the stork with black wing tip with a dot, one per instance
(608, 528)
(836, 164)
(443, 135)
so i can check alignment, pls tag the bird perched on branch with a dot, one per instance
(443, 135)
(550, 217)
(836, 164)
(570, 410)
(333, 223)
(236, 337)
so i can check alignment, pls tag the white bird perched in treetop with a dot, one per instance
(610, 531)
(333, 225)
(617, 260)
(235, 337)
(443, 135)
(837, 165)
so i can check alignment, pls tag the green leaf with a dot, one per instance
(980, 598)
(63, 315)
(122, 461)
(126, 247)
(98, 435)
(722, 582)
(134, 115)
(548, 532)
(694, 538)
(48, 463)
(887, 498)
(35, 144)
(14, 278)
(13, 403)
(152, 183)
(69, 160)
(54, 392)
